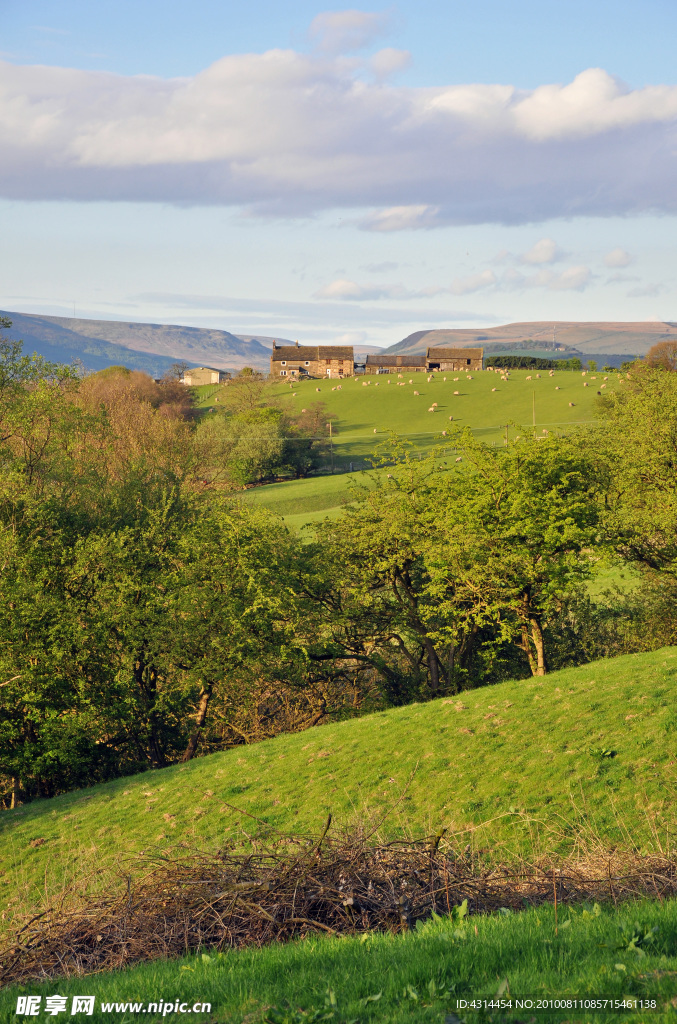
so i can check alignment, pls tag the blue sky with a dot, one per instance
(338, 174)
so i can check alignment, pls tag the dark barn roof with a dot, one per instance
(455, 353)
(311, 352)
(377, 360)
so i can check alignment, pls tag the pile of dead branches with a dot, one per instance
(289, 887)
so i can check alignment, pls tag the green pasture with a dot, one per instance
(367, 409)
(620, 953)
(584, 755)
(366, 413)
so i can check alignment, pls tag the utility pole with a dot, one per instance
(331, 446)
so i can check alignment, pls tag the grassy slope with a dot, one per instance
(416, 977)
(362, 410)
(524, 756)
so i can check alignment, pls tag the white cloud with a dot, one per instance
(351, 338)
(618, 258)
(389, 61)
(575, 278)
(544, 251)
(402, 218)
(346, 31)
(642, 291)
(473, 283)
(284, 133)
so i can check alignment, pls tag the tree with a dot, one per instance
(638, 441)
(592, 365)
(662, 356)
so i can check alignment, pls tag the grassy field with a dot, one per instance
(521, 767)
(383, 406)
(414, 978)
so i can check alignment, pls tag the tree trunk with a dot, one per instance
(16, 792)
(526, 647)
(539, 644)
(203, 704)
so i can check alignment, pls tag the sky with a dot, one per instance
(339, 175)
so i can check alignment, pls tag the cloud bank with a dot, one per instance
(286, 133)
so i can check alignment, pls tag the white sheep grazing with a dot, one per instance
(571, 405)
(602, 385)
(460, 458)
(364, 383)
(333, 389)
(528, 378)
(415, 392)
(400, 376)
(318, 389)
(294, 394)
(444, 433)
(375, 430)
(538, 376)
(593, 378)
(389, 382)
(450, 418)
(585, 384)
(431, 409)
(376, 384)
(456, 378)
(606, 378)
(458, 392)
(468, 378)
(557, 388)
(304, 410)
(411, 382)
(494, 389)
(444, 379)
(434, 405)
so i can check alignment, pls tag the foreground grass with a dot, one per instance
(539, 765)
(628, 951)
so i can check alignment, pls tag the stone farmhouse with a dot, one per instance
(296, 361)
(336, 361)
(204, 375)
(445, 359)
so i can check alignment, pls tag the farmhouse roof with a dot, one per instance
(311, 352)
(377, 360)
(455, 353)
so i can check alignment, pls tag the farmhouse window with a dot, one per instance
(307, 362)
(283, 362)
(468, 362)
(283, 373)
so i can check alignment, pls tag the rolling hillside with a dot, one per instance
(582, 753)
(148, 347)
(589, 338)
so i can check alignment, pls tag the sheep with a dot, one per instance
(571, 405)
(375, 430)
(538, 376)
(528, 378)
(456, 378)
(494, 389)
(557, 387)
(411, 382)
(400, 376)
(304, 410)
(460, 458)
(593, 378)
(602, 385)
(468, 378)
(606, 378)
(444, 433)
(434, 405)
(365, 383)
(444, 379)
(450, 418)
(457, 392)
(416, 392)
(376, 384)
(318, 389)
(431, 409)
(294, 394)
(585, 384)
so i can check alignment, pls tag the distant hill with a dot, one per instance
(148, 347)
(589, 338)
